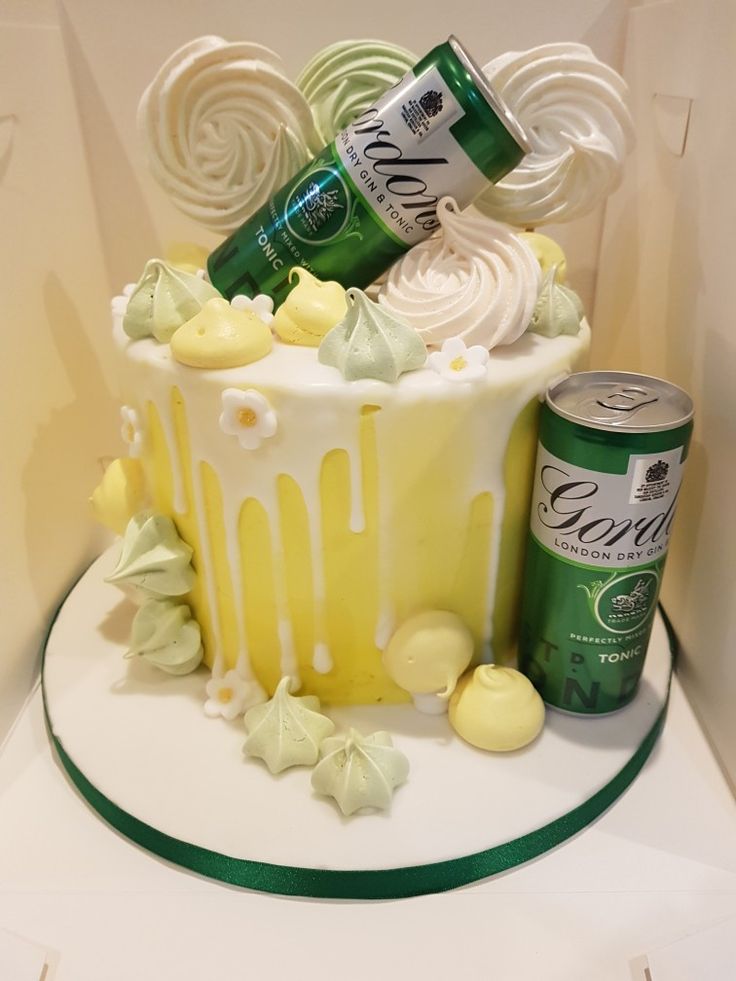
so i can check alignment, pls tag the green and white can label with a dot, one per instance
(373, 192)
(603, 504)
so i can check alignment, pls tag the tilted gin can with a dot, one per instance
(612, 447)
(373, 192)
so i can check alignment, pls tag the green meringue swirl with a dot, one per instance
(346, 78)
(371, 343)
(165, 635)
(559, 310)
(164, 298)
(154, 559)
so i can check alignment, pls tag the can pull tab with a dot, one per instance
(621, 404)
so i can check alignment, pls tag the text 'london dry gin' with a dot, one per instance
(612, 447)
(373, 192)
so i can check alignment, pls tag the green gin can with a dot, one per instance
(612, 446)
(373, 192)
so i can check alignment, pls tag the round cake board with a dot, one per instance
(138, 746)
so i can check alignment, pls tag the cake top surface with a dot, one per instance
(293, 367)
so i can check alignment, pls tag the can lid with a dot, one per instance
(494, 100)
(620, 400)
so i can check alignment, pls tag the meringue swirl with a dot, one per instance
(573, 108)
(344, 79)
(476, 280)
(224, 128)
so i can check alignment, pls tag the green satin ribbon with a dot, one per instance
(393, 883)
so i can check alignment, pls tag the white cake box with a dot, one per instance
(80, 214)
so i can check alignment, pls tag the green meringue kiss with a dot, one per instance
(287, 730)
(370, 343)
(153, 559)
(165, 635)
(360, 771)
(559, 310)
(164, 298)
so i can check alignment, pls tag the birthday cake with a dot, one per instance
(329, 495)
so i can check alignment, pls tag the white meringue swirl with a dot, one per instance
(345, 78)
(224, 128)
(573, 108)
(475, 280)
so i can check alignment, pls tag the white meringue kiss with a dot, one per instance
(475, 280)
(224, 128)
(573, 109)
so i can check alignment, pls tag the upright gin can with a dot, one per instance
(612, 447)
(373, 192)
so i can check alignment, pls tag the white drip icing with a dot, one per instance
(243, 667)
(322, 659)
(205, 568)
(493, 432)
(314, 520)
(288, 662)
(385, 625)
(205, 556)
(287, 658)
(177, 469)
(357, 510)
(231, 518)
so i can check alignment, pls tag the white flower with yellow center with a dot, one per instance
(131, 430)
(229, 695)
(456, 362)
(261, 306)
(248, 416)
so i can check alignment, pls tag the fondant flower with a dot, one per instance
(131, 430)
(230, 695)
(248, 416)
(261, 306)
(456, 362)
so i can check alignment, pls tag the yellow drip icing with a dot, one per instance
(159, 459)
(427, 480)
(219, 564)
(259, 595)
(187, 526)
(298, 577)
(469, 595)
(517, 469)
(351, 570)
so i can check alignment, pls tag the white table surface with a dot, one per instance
(659, 866)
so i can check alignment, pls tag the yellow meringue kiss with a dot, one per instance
(120, 494)
(220, 336)
(429, 652)
(496, 708)
(187, 256)
(547, 252)
(310, 310)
